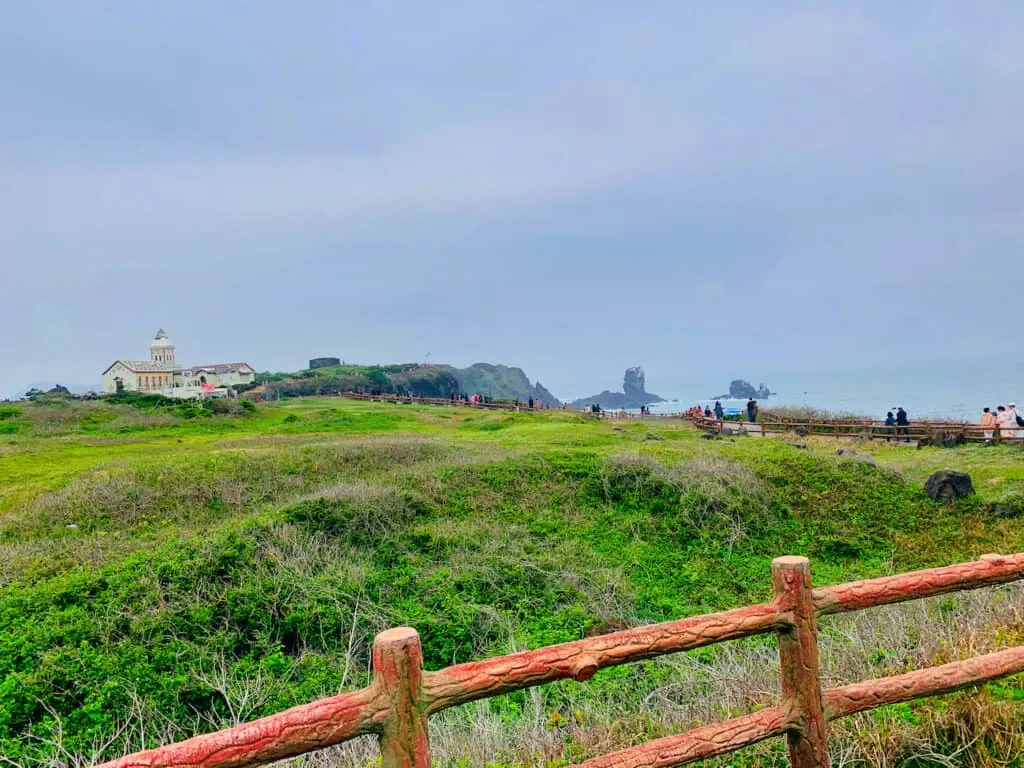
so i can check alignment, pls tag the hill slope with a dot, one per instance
(502, 381)
(496, 381)
(162, 574)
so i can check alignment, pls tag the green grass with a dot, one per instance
(153, 565)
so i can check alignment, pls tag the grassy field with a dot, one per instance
(165, 572)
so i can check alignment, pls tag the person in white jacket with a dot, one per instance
(1011, 431)
(1003, 423)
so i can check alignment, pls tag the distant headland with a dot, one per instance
(332, 376)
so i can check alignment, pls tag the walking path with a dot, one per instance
(927, 432)
(920, 432)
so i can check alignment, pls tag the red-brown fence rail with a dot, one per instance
(865, 429)
(494, 405)
(862, 429)
(397, 704)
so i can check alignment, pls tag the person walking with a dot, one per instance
(988, 425)
(719, 411)
(752, 410)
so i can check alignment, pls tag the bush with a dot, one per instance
(361, 514)
(706, 497)
(227, 405)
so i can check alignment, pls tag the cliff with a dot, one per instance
(411, 379)
(501, 381)
(496, 381)
(633, 394)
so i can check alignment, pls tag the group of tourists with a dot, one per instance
(897, 421)
(478, 399)
(474, 399)
(718, 412)
(1003, 424)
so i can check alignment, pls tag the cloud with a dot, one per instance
(571, 190)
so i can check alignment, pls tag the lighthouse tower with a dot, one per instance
(161, 349)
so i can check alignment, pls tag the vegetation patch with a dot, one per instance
(204, 571)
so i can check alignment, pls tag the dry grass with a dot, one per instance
(103, 512)
(561, 723)
(804, 413)
(717, 497)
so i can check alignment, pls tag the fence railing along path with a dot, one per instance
(501, 405)
(867, 429)
(402, 696)
(838, 428)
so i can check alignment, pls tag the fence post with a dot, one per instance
(398, 671)
(798, 654)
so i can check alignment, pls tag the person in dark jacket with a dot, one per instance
(707, 412)
(752, 410)
(890, 422)
(719, 410)
(902, 422)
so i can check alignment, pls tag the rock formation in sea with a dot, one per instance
(740, 389)
(633, 394)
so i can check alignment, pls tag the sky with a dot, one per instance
(719, 189)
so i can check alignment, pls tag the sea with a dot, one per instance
(956, 390)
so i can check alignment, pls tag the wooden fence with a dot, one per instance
(861, 429)
(866, 429)
(402, 696)
(501, 405)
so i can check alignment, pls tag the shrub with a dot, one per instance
(225, 405)
(707, 496)
(361, 514)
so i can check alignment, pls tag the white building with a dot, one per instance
(161, 374)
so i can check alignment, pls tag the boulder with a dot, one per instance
(711, 436)
(947, 438)
(948, 486)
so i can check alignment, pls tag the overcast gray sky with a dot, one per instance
(572, 187)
